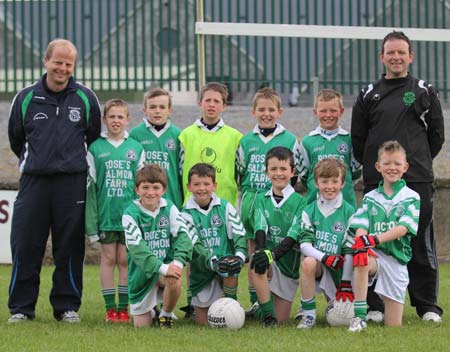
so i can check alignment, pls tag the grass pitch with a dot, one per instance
(45, 334)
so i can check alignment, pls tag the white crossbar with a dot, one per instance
(313, 31)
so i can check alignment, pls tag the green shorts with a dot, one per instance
(107, 237)
(247, 212)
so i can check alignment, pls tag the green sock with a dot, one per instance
(360, 309)
(109, 295)
(189, 296)
(309, 306)
(253, 296)
(267, 308)
(230, 292)
(123, 297)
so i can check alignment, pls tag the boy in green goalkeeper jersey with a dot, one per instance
(276, 211)
(218, 238)
(159, 138)
(328, 140)
(113, 161)
(253, 147)
(158, 247)
(382, 228)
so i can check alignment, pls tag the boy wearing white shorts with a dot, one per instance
(276, 211)
(158, 247)
(386, 220)
(218, 238)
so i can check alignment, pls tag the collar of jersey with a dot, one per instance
(327, 207)
(152, 128)
(162, 204)
(286, 192)
(396, 187)
(192, 204)
(278, 130)
(318, 131)
(104, 135)
(219, 125)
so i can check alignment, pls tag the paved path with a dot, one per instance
(298, 120)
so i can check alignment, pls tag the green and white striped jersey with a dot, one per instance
(112, 169)
(276, 220)
(216, 231)
(317, 145)
(379, 213)
(162, 148)
(252, 151)
(154, 239)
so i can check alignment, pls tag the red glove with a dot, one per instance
(333, 262)
(365, 241)
(361, 257)
(344, 291)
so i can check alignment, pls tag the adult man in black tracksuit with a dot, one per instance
(403, 108)
(49, 126)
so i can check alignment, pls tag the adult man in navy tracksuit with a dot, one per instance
(50, 124)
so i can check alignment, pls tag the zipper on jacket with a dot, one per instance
(57, 111)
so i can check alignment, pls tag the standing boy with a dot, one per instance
(386, 221)
(253, 147)
(403, 108)
(159, 137)
(212, 142)
(328, 140)
(158, 247)
(113, 162)
(218, 237)
(276, 211)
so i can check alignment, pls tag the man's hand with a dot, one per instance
(333, 262)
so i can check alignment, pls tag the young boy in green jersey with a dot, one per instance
(158, 247)
(253, 147)
(328, 140)
(212, 142)
(159, 137)
(113, 161)
(322, 242)
(218, 238)
(276, 211)
(383, 226)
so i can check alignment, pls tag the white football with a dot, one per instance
(340, 313)
(226, 313)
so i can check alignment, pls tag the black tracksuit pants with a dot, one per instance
(423, 268)
(48, 203)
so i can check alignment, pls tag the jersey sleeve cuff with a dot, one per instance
(163, 269)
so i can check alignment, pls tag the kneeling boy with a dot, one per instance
(158, 247)
(218, 238)
(386, 220)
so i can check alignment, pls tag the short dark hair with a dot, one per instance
(329, 167)
(157, 92)
(216, 87)
(281, 153)
(202, 170)
(396, 35)
(152, 173)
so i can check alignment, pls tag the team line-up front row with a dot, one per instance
(151, 238)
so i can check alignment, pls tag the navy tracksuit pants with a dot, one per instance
(48, 203)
